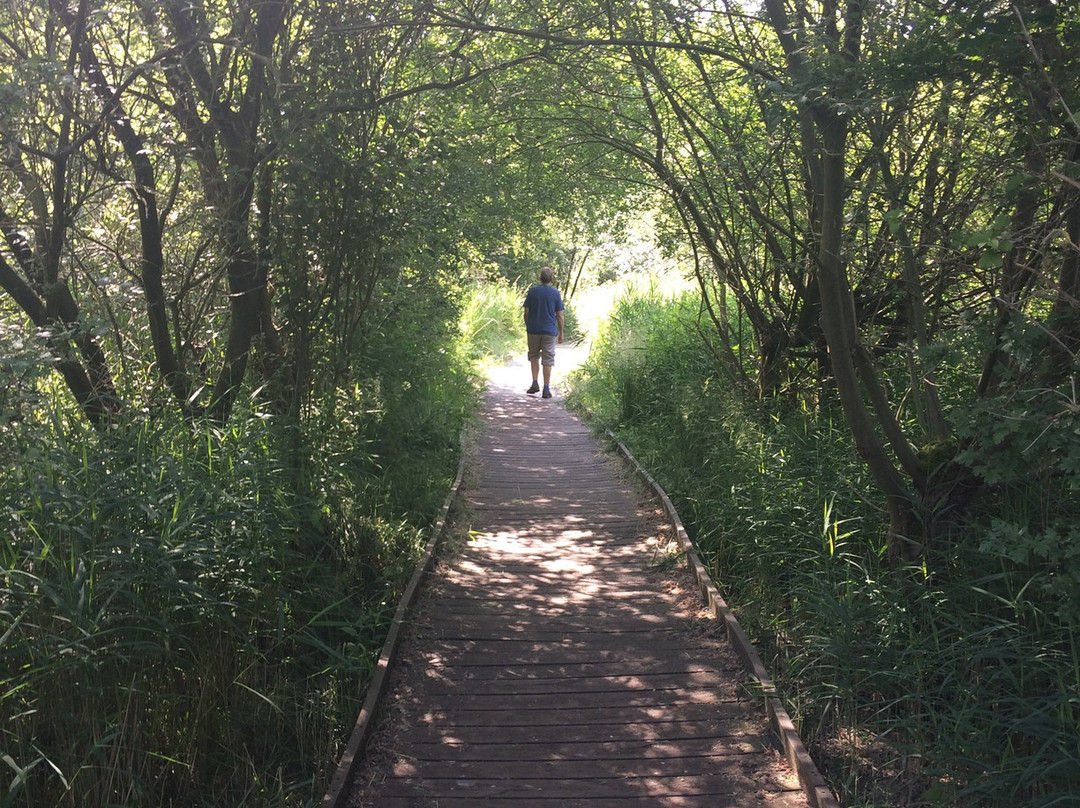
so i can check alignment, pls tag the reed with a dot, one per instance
(189, 616)
(954, 681)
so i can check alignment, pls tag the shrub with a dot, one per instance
(189, 615)
(947, 683)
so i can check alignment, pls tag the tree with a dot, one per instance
(45, 135)
(829, 164)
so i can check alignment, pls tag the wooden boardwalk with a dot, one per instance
(553, 662)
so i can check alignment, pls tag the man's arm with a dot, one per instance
(526, 310)
(559, 320)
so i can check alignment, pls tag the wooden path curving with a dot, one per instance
(552, 662)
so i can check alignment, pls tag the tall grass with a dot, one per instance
(177, 630)
(491, 323)
(189, 615)
(951, 683)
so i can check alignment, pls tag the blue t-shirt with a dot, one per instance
(542, 301)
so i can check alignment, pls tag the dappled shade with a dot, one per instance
(552, 663)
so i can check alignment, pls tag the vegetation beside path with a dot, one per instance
(950, 681)
(192, 612)
(248, 250)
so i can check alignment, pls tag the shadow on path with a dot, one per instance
(552, 662)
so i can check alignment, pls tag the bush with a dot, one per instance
(492, 326)
(944, 685)
(190, 615)
(491, 322)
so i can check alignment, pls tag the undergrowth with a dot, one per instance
(190, 614)
(492, 326)
(492, 322)
(954, 681)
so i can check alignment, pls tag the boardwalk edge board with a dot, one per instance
(352, 755)
(811, 780)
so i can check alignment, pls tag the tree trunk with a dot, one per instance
(144, 189)
(229, 174)
(838, 325)
(827, 176)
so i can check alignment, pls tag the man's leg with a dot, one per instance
(548, 361)
(534, 362)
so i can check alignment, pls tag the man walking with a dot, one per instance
(543, 326)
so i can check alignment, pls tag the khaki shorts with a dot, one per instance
(542, 347)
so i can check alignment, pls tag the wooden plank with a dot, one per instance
(729, 772)
(587, 784)
(607, 591)
(611, 717)
(785, 799)
(631, 749)
(583, 496)
(516, 617)
(731, 731)
(491, 628)
(579, 647)
(716, 683)
(537, 672)
(558, 625)
(591, 699)
(530, 610)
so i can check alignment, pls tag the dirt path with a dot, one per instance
(556, 659)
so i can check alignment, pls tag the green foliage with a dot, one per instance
(190, 615)
(1024, 445)
(491, 321)
(221, 558)
(952, 685)
(420, 388)
(648, 343)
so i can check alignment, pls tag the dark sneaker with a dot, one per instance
(547, 393)
(533, 388)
